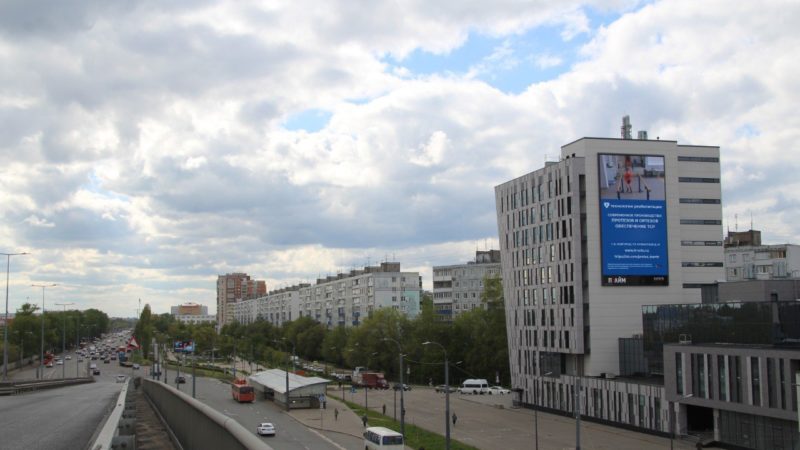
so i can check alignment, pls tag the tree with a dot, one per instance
(144, 330)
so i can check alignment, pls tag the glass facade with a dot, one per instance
(734, 322)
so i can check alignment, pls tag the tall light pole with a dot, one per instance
(41, 356)
(64, 341)
(5, 328)
(446, 394)
(402, 389)
(286, 341)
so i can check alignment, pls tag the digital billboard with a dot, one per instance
(633, 220)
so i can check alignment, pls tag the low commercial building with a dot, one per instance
(304, 392)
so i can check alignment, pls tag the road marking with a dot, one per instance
(325, 438)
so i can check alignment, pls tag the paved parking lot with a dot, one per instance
(488, 421)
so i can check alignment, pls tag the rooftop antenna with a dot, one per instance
(751, 220)
(736, 222)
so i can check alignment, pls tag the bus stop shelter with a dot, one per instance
(304, 392)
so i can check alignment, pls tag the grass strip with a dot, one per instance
(416, 437)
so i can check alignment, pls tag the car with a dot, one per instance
(398, 386)
(106, 361)
(265, 429)
(80, 359)
(180, 379)
(113, 358)
(136, 367)
(444, 388)
(50, 364)
(121, 378)
(498, 390)
(68, 357)
(96, 372)
(59, 363)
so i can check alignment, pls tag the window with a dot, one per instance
(700, 222)
(723, 385)
(701, 243)
(701, 201)
(755, 378)
(697, 180)
(732, 257)
(679, 373)
(701, 264)
(698, 158)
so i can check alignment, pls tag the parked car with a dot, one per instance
(498, 390)
(180, 379)
(266, 429)
(398, 386)
(443, 388)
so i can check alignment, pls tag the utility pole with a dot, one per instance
(64, 341)
(5, 324)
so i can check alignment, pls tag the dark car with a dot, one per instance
(96, 372)
(443, 388)
(180, 379)
(405, 387)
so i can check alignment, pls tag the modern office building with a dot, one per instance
(586, 242)
(458, 288)
(346, 298)
(189, 309)
(232, 288)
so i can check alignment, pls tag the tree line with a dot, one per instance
(25, 331)
(475, 341)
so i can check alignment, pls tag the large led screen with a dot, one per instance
(633, 220)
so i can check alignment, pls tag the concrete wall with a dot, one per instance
(196, 425)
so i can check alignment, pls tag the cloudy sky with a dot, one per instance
(148, 146)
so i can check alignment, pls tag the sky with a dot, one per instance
(147, 146)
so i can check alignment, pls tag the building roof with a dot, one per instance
(275, 379)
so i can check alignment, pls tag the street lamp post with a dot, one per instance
(41, 355)
(5, 328)
(672, 421)
(446, 394)
(402, 389)
(286, 341)
(64, 341)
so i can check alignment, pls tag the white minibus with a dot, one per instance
(382, 438)
(474, 386)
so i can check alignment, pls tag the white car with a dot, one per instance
(121, 378)
(60, 362)
(498, 390)
(266, 429)
(68, 357)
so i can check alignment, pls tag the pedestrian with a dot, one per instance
(335, 413)
(384, 409)
(364, 420)
(455, 418)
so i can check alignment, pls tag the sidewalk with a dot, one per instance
(324, 419)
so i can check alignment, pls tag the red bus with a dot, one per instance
(242, 392)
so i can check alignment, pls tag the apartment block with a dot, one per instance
(278, 306)
(189, 309)
(458, 288)
(234, 287)
(762, 262)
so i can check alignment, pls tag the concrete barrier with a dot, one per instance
(196, 425)
(15, 387)
(109, 430)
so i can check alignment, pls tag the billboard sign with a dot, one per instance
(184, 346)
(633, 220)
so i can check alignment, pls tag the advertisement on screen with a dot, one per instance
(184, 346)
(633, 220)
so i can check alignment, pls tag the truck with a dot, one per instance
(372, 380)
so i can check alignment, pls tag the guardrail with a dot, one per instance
(111, 428)
(15, 387)
(195, 424)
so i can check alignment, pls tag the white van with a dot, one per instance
(474, 386)
(382, 438)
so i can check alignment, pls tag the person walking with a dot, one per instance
(335, 413)
(455, 418)
(384, 409)
(364, 420)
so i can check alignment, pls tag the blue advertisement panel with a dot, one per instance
(633, 220)
(184, 346)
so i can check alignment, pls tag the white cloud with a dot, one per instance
(143, 152)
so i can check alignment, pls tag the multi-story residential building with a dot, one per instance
(196, 318)
(345, 299)
(458, 288)
(234, 287)
(615, 224)
(761, 262)
(277, 307)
